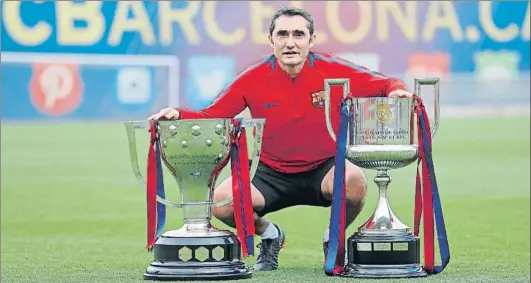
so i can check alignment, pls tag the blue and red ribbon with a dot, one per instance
(241, 188)
(335, 260)
(156, 212)
(427, 200)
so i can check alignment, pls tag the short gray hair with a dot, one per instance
(291, 12)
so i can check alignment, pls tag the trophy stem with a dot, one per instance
(197, 222)
(383, 220)
(196, 213)
(382, 179)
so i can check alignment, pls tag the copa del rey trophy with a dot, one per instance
(382, 134)
(194, 152)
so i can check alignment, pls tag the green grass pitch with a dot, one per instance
(72, 211)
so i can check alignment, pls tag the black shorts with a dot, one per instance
(282, 190)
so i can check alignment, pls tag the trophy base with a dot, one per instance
(383, 256)
(187, 258)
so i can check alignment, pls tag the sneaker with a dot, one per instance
(269, 249)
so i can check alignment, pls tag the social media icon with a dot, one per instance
(134, 85)
(496, 65)
(436, 64)
(56, 89)
(207, 76)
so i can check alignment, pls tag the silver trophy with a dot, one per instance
(193, 150)
(382, 138)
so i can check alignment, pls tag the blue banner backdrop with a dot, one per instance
(172, 48)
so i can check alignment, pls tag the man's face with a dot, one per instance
(291, 40)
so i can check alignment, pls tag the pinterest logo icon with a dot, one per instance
(56, 89)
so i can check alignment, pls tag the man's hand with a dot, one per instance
(166, 114)
(400, 93)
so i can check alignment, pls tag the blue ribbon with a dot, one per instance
(337, 194)
(437, 207)
(161, 208)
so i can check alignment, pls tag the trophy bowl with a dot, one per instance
(194, 152)
(380, 157)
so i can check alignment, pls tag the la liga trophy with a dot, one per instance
(378, 133)
(194, 152)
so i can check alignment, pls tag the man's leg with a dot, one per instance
(272, 237)
(356, 189)
(226, 213)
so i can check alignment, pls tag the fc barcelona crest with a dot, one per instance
(383, 113)
(318, 99)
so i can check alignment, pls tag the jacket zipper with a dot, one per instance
(294, 106)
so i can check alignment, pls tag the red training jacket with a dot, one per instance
(295, 135)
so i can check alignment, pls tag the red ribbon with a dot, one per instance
(151, 196)
(241, 187)
(423, 192)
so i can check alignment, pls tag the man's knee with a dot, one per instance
(356, 183)
(222, 193)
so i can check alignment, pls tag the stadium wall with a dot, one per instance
(91, 60)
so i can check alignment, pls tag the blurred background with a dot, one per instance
(93, 60)
(73, 71)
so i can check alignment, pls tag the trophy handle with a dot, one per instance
(252, 124)
(249, 124)
(327, 99)
(435, 83)
(130, 127)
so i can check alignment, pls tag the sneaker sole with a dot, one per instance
(283, 244)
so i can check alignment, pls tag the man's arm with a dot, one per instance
(229, 103)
